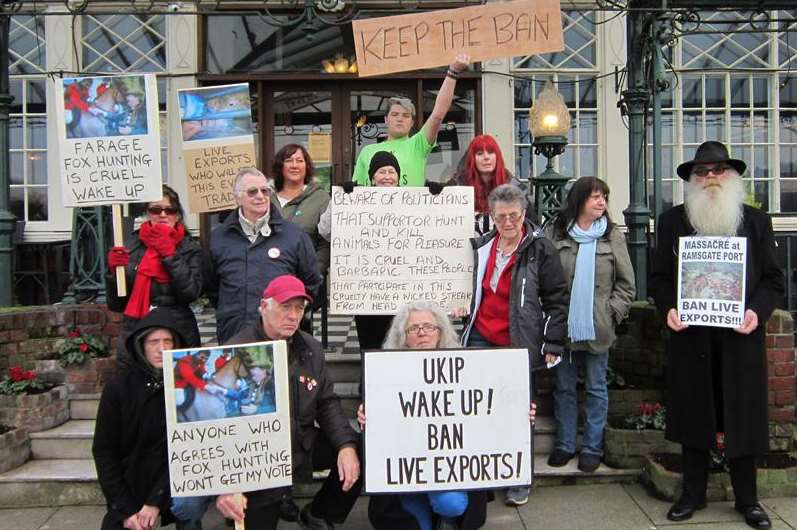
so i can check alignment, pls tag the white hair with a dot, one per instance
(716, 212)
(245, 171)
(396, 338)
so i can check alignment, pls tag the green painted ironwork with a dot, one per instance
(87, 264)
(7, 219)
(548, 186)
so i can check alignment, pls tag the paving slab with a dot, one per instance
(75, 518)
(583, 507)
(783, 507)
(27, 518)
(656, 509)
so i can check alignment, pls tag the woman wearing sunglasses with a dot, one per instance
(163, 268)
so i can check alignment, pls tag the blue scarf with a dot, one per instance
(580, 323)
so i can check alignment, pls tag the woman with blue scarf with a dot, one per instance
(595, 259)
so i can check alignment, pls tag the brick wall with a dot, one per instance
(782, 382)
(29, 334)
(638, 355)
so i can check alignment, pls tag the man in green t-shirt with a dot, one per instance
(411, 151)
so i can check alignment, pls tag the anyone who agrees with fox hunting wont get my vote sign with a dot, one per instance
(711, 284)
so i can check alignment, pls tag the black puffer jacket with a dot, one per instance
(319, 404)
(538, 299)
(185, 286)
(129, 448)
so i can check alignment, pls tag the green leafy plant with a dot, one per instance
(718, 460)
(19, 381)
(647, 416)
(79, 347)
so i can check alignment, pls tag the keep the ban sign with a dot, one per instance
(449, 406)
(425, 40)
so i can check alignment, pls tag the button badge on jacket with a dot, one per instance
(308, 382)
(273, 253)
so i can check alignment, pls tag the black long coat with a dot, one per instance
(129, 447)
(691, 417)
(175, 296)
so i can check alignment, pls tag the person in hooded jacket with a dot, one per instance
(130, 450)
(163, 268)
(299, 198)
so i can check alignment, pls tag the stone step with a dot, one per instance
(344, 367)
(74, 482)
(72, 440)
(51, 483)
(83, 406)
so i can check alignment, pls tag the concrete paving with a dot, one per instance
(593, 507)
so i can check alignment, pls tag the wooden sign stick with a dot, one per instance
(118, 241)
(239, 525)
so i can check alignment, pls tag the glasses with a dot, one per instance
(252, 192)
(157, 210)
(704, 171)
(513, 217)
(416, 329)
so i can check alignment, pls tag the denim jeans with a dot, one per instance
(189, 511)
(446, 504)
(566, 402)
(475, 340)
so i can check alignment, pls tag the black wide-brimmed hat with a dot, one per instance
(710, 153)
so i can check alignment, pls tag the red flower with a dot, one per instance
(30, 375)
(84, 347)
(75, 333)
(16, 373)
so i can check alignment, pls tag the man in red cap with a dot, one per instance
(332, 446)
(717, 377)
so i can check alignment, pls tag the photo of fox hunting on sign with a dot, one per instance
(108, 139)
(228, 418)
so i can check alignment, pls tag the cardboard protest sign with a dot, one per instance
(462, 415)
(391, 246)
(426, 40)
(217, 142)
(228, 418)
(108, 139)
(711, 272)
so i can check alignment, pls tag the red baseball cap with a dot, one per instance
(283, 288)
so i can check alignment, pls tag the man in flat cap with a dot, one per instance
(717, 377)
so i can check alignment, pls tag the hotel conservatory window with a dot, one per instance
(27, 119)
(573, 70)
(730, 86)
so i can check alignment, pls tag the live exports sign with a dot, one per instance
(392, 246)
(425, 40)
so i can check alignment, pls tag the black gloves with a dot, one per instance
(434, 187)
(348, 186)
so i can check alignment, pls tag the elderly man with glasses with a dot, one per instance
(520, 295)
(717, 377)
(250, 249)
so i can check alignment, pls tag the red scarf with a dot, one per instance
(149, 268)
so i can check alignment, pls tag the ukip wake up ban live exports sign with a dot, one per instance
(462, 415)
(426, 40)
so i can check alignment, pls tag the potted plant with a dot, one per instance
(14, 447)
(85, 361)
(26, 400)
(628, 441)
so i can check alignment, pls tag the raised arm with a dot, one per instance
(445, 97)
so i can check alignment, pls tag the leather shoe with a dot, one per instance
(683, 510)
(755, 516)
(559, 458)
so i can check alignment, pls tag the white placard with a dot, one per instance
(392, 246)
(712, 272)
(108, 139)
(234, 441)
(446, 420)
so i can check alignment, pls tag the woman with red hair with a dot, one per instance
(483, 168)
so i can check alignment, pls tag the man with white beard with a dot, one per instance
(717, 377)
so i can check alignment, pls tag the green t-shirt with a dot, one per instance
(411, 153)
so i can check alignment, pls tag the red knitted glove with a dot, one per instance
(118, 257)
(160, 240)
